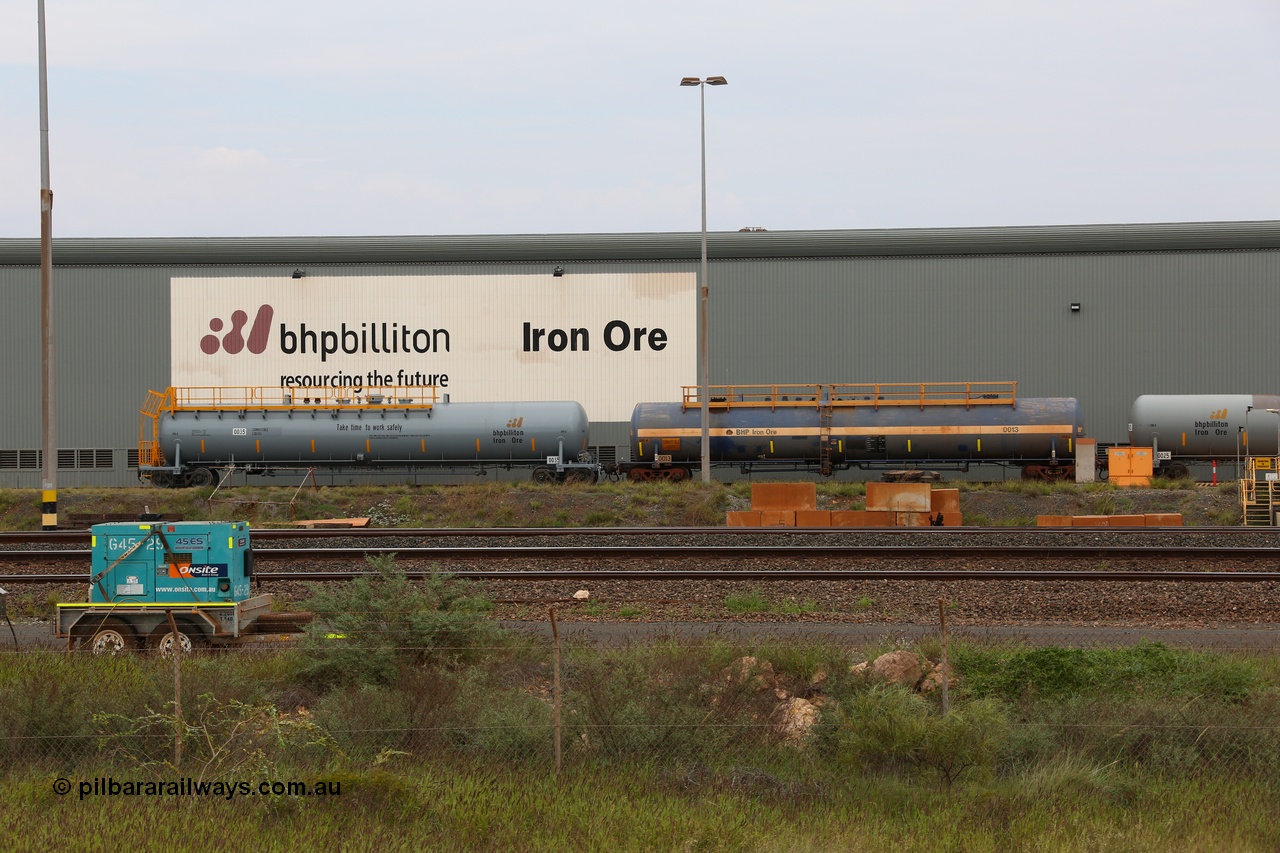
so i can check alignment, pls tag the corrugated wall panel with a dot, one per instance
(1148, 323)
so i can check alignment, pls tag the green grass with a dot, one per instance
(1060, 808)
(668, 744)
(754, 601)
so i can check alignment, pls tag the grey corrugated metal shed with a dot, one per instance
(1167, 308)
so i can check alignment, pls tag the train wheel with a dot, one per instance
(677, 474)
(200, 478)
(1173, 471)
(162, 480)
(543, 474)
(112, 638)
(582, 475)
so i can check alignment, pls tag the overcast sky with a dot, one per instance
(276, 117)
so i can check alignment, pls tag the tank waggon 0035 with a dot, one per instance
(825, 428)
(188, 433)
(1185, 429)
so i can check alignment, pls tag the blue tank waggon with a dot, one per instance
(825, 428)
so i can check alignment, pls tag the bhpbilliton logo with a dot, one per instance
(235, 340)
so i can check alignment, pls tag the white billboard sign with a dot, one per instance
(605, 340)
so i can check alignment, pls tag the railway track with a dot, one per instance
(1146, 553)
(1176, 577)
(587, 573)
(1261, 534)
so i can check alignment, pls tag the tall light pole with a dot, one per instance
(49, 463)
(704, 360)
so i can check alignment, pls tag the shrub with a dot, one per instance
(662, 702)
(220, 740)
(387, 624)
(891, 729)
(1152, 668)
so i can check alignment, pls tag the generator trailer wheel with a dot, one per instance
(112, 638)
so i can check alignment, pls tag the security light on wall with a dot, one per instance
(557, 272)
(1075, 306)
(299, 273)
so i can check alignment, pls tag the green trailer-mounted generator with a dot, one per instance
(156, 583)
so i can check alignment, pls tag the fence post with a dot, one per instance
(176, 647)
(942, 619)
(555, 688)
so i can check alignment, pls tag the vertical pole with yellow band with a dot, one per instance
(49, 454)
(49, 509)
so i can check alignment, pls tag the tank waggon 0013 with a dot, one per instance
(825, 428)
(1186, 429)
(188, 433)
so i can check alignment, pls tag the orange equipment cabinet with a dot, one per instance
(1130, 466)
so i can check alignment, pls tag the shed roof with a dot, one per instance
(674, 246)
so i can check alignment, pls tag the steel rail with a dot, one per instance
(717, 552)
(270, 534)
(916, 575)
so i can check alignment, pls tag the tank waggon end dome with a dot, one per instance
(1183, 429)
(825, 428)
(188, 433)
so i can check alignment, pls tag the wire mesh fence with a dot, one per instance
(764, 713)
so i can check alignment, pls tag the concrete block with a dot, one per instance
(742, 518)
(912, 519)
(791, 496)
(898, 497)
(1090, 521)
(813, 518)
(952, 519)
(944, 501)
(777, 518)
(1164, 519)
(861, 518)
(1054, 521)
(1128, 521)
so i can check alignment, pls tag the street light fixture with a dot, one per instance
(704, 362)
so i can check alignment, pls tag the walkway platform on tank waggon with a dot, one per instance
(869, 395)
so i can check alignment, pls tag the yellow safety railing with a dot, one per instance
(238, 398)
(258, 399)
